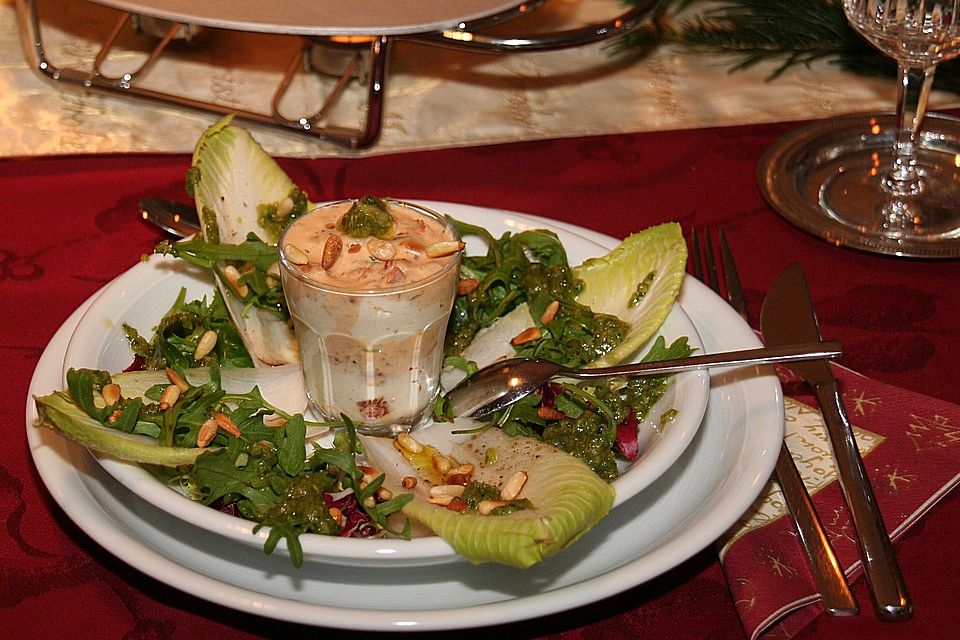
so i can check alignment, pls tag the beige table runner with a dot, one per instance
(435, 97)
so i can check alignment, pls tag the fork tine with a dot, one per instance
(713, 277)
(695, 253)
(732, 278)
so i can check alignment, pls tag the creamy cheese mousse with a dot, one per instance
(370, 285)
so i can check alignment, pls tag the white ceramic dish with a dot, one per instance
(713, 483)
(140, 296)
(320, 17)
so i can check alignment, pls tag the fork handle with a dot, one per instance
(827, 573)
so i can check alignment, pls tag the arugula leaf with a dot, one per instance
(207, 254)
(290, 445)
(529, 267)
(82, 384)
(175, 338)
(254, 258)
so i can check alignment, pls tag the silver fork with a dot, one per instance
(827, 573)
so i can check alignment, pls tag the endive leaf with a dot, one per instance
(567, 497)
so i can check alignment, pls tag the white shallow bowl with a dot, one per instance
(140, 296)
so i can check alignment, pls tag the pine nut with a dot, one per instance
(406, 441)
(457, 504)
(369, 474)
(205, 344)
(207, 432)
(440, 500)
(295, 254)
(549, 413)
(512, 488)
(462, 470)
(229, 426)
(413, 247)
(467, 285)
(444, 248)
(233, 277)
(380, 249)
(442, 463)
(487, 506)
(458, 478)
(408, 482)
(285, 207)
(370, 502)
(175, 378)
(446, 490)
(111, 394)
(550, 312)
(331, 251)
(525, 336)
(384, 494)
(169, 397)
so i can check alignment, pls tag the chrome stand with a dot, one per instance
(345, 59)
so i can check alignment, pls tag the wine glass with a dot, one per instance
(877, 182)
(918, 34)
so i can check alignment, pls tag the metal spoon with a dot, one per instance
(503, 383)
(173, 217)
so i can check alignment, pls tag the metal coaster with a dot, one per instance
(797, 172)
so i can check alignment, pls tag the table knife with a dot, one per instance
(787, 316)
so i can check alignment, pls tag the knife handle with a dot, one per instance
(886, 583)
(827, 572)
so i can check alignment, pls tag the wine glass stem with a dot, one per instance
(903, 179)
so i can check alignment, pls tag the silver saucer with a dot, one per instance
(794, 170)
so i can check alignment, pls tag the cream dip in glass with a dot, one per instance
(370, 313)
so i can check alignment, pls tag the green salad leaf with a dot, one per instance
(565, 498)
(240, 190)
(637, 282)
(59, 411)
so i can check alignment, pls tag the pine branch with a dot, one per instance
(790, 33)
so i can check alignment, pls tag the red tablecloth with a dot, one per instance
(70, 225)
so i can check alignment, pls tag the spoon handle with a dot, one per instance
(764, 355)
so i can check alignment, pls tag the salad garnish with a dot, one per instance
(255, 465)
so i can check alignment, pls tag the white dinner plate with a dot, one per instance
(140, 297)
(320, 17)
(712, 484)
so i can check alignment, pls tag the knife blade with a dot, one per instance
(787, 316)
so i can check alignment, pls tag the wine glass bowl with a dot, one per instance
(913, 32)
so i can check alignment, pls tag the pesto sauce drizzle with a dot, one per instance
(643, 287)
(590, 437)
(191, 180)
(367, 217)
(575, 337)
(476, 492)
(274, 218)
(211, 230)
